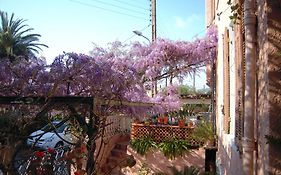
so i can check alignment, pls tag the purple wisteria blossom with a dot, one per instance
(119, 72)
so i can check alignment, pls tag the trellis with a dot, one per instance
(161, 132)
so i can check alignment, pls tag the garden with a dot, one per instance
(173, 140)
(85, 89)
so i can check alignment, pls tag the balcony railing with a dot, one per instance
(117, 124)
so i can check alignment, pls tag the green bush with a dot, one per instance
(186, 90)
(172, 148)
(142, 145)
(203, 132)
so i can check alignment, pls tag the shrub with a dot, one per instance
(142, 145)
(203, 132)
(171, 148)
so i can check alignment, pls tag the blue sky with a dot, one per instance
(73, 25)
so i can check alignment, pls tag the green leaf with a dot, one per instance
(234, 7)
(229, 2)
(142, 145)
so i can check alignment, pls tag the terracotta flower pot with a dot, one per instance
(160, 120)
(190, 124)
(166, 120)
(181, 123)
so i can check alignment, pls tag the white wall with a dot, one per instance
(229, 160)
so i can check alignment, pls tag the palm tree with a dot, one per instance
(15, 40)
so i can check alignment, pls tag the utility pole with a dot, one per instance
(153, 19)
(153, 25)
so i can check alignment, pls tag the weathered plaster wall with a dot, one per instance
(229, 160)
(269, 85)
(262, 82)
(274, 81)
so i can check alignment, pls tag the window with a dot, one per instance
(240, 81)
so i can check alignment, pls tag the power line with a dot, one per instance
(132, 5)
(222, 12)
(200, 32)
(162, 27)
(135, 34)
(105, 9)
(117, 6)
(140, 3)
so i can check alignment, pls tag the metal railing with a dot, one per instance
(117, 124)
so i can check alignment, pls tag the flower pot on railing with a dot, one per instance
(181, 123)
(190, 124)
(154, 121)
(160, 120)
(172, 121)
(166, 120)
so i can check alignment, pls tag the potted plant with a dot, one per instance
(181, 120)
(154, 119)
(165, 119)
(160, 120)
(172, 120)
(148, 121)
(190, 124)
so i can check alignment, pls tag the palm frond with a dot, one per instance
(17, 26)
(15, 39)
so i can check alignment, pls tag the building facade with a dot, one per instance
(247, 85)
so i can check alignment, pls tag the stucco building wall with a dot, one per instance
(269, 85)
(229, 160)
(267, 157)
(273, 42)
(262, 96)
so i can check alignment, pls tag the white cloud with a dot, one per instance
(180, 23)
(183, 23)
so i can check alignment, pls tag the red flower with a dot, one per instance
(83, 148)
(39, 154)
(76, 173)
(50, 150)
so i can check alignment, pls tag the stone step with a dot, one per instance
(126, 137)
(122, 145)
(114, 160)
(108, 168)
(118, 153)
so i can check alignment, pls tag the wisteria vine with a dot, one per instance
(117, 72)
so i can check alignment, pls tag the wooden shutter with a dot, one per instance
(240, 81)
(226, 86)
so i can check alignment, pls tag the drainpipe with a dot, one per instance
(250, 88)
